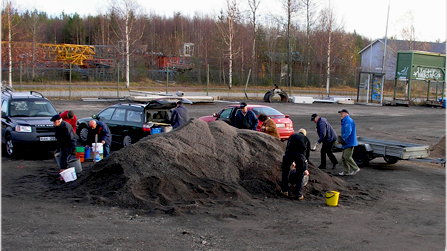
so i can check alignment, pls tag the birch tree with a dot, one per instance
(330, 27)
(291, 7)
(309, 7)
(35, 24)
(254, 5)
(124, 16)
(227, 27)
(12, 19)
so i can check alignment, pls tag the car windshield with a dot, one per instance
(31, 108)
(267, 111)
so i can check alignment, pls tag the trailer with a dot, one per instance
(391, 151)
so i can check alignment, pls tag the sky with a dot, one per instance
(367, 18)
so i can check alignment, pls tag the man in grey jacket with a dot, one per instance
(327, 136)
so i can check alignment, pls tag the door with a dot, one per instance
(227, 115)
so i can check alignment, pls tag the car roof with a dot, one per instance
(134, 105)
(18, 95)
(249, 106)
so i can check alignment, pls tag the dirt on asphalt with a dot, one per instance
(213, 187)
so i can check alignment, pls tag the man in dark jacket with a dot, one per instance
(298, 149)
(65, 139)
(327, 136)
(179, 115)
(104, 136)
(245, 119)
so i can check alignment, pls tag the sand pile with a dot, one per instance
(198, 164)
(438, 150)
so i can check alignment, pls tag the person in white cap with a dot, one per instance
(348, 142)
(298, 149)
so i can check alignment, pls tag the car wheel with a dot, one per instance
(127, 140)
(9, 147)
(83, 133)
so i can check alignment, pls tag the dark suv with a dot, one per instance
(26, 121)
(128, 123)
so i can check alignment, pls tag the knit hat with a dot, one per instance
(70, 114)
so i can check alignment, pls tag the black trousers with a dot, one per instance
(326, 149)
(301, 165)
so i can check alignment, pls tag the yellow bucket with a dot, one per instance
(332, 198)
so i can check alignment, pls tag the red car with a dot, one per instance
(283, 123)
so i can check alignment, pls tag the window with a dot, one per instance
(134, 116)
(267, 111)
(4, 106)
(119, 114)
(107, 113)
(226, 113)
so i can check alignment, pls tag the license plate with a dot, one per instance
(47, 138)
(280, 125)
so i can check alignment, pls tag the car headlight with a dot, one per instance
(20, 128)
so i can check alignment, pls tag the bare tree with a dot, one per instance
(408, 32)
(10, 15)
(124, 16)
(253, 4)
(34, 22)
(330, 27)
(227, 27)
(309, 7)
(291, 7)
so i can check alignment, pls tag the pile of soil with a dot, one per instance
(438, 150)
(198, 164)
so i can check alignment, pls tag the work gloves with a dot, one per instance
(315, 147)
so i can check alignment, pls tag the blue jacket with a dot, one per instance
(179, 116)
(348, 132)
(325, 131)
(249, 121)
(103, 132)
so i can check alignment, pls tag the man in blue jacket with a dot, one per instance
(179, 115)
(104, 135)
(327, 136)
(245, 119)
(349, 141)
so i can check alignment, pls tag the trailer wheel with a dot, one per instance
(390, 160)
(360, 156)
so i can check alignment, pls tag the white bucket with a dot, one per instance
(97, 147)
(69, 174)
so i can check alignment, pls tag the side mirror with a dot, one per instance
(215, 115)
(94, 116)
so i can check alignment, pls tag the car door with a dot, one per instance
(134, 125)
(226, 115)
(117, 124)
(5, 120)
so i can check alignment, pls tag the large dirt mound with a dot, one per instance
(197, 164)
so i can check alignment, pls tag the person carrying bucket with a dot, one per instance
(65, 139)
(102, 130)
